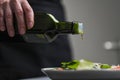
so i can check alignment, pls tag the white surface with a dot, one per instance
(95, 74)
(39, 78)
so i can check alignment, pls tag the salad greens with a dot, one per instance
(70, 65)
(105, 66)
(83, 64)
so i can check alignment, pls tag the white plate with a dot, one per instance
(82, 74)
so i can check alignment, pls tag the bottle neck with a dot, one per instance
(64, 27)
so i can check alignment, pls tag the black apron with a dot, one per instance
(25, 60)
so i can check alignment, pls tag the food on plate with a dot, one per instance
(86, 65)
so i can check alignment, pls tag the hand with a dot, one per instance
(23, 13)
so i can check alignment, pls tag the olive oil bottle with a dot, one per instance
(45, 30)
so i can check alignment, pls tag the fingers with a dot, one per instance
(20, 16)
(2, 24)
(9, 20)
(23, 13)
(29, 15)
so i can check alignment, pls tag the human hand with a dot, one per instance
(23, 13)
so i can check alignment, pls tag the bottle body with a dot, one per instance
(45, 30)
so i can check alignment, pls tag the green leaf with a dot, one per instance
(85, 64)
(105, 66)
(70, 65)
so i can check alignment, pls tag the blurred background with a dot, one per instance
(101, 20)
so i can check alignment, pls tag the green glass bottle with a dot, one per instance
(47, 28)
